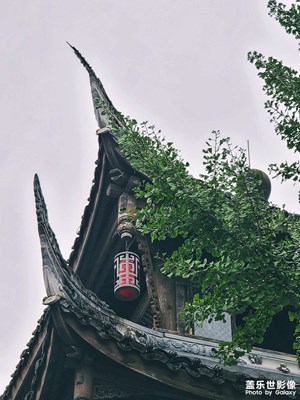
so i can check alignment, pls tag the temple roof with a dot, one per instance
(78, 312)
(78, 291)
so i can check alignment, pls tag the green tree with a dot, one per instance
(241, 253)
(282, 87)
(237, 249)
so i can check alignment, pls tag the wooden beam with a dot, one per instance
(166, 294)
(83, 384)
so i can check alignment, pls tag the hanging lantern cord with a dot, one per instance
(128, 244)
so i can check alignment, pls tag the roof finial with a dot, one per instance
(103, 107)
(82, 59)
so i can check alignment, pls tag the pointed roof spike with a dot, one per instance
(102, 103)
(45, 231)
(41, 209)
(82, 59)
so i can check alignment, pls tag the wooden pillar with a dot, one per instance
(183, 295)
(83, 385)
(166, 293)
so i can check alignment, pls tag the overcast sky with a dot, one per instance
(181, 64)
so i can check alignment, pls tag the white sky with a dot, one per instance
(181, 64)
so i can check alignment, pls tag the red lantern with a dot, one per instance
(127, 276)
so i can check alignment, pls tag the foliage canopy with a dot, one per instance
(282, 87)
(241, 253)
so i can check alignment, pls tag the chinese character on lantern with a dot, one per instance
(127, 276)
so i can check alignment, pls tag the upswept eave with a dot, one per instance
(111, 166)
(44, 227)
(58, 276)
(34, 354)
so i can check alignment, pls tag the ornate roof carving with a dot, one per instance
(149, 272)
